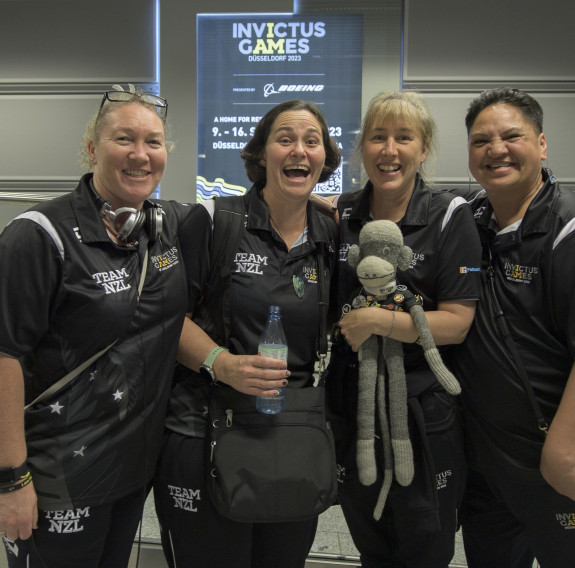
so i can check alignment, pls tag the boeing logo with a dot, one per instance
(269, 89)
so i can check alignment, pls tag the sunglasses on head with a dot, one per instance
(158, 102)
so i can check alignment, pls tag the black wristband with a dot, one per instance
(22, 482)
(10, 475)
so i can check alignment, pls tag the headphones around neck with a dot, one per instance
(128, 222)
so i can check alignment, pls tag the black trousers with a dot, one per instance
(506, 524)
(88, 537)
(418, 525)
(195, 534)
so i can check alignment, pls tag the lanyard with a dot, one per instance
(506, 333)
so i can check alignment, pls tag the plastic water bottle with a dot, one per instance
(273, 344)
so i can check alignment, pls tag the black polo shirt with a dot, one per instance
(439, 229)
(534, 277)
(68, 291)
(263, 274)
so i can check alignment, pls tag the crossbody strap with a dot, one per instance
(75, 372)
(323, 305)
(504, 328)
(323, 296)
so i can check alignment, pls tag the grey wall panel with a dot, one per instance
(449, 113)
(559, 126)
(45, 135)
(489, 40)
(77, 41)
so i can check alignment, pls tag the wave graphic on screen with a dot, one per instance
(219, 187)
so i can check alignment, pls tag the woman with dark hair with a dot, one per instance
(516, 366)
(252, 152)
(276, 263)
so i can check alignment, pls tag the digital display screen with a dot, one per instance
(248, 63)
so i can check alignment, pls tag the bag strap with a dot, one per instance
(323, 305)
(507, 337)
(323, 299)
(228, 224)
(81, 368)
(229, 215)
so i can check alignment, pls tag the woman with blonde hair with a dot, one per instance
(91, 317)
(418, 523)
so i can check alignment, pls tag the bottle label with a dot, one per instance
(274, 351)
(272, 405)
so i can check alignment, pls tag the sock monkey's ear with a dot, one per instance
(405, 257)
(354, 255)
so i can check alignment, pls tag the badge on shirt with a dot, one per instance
(298, 286)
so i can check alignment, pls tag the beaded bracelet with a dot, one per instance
(392, 324)
(24, 480)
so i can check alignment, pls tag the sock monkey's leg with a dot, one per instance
(366, 465)
(386, 438)
(402, 450)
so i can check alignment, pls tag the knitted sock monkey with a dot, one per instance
(380, 254)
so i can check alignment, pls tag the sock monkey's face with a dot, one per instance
(378, 256)
(376, 275)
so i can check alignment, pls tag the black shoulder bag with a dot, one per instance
(273, 468)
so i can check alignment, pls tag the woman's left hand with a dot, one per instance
(326, 205)
(357, 326)
(449, 324)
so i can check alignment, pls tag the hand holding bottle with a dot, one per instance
(273, 344)
(250, 374)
